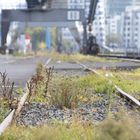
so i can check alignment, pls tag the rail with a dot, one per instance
(122, 93)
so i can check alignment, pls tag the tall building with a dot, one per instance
(79, 4)
(131, 28)
(113, 24)
(99, 23)
(59, 4)
(113, 30)
(117, 6)
(76, 33)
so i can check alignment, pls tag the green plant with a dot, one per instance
(109, 130)
(65, 92)
(4, 109)
(19, 90)
(6, 90)
(71, 92)
(128, 81)
(123, 129)
(38, 84)
(98, 84)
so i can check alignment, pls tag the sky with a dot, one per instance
(8, 4)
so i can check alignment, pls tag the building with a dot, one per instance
(117, 6)
(113, 31)
(79, 4)
(59, 4)
(99, 27)
(131, 28)
(113, 24)
(75, 34)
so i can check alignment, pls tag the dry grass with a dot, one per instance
(123, 129)
(73, 57)
(129, 81)
(39, 83)
(66, 92)
(7, 98)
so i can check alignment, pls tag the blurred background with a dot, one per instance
(116, 27)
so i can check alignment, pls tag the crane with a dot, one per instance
(90, 46)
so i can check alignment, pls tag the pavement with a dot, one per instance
(113, 65)
(20, 70)
(59, 65)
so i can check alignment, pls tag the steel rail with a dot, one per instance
(121, 92)
(126, 58)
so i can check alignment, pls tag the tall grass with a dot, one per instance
(72, 57)
(109, 130)
(129, 81)
(72, 92)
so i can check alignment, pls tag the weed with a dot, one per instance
(39, 83)
(65, 92)
(98, 84)
(72, 92)
(19, 91)
(72, 57)
(123, 129)
(108, 130)
(128, 81)
(6, 89)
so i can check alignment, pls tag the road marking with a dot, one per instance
(16, 86)
(47, 62)
(9, 62)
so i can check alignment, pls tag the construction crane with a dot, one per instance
(90, 46)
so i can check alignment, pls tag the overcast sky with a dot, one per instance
(8, 4)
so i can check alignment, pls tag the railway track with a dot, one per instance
(86, 111)
(121, 92)
(123, 57)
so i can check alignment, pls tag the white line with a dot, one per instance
(9, 62)
(10, 86)
(47, 62)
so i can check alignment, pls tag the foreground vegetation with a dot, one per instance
(7, 99)
(74, 57)
(123, 129)
(69, 92)
(129, 81)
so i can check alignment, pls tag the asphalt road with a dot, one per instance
(96, 65)
(20, 70)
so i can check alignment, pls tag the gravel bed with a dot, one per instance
(38, 113)
(71, 73)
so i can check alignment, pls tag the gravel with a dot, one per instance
(39, 113)
(96, 111)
